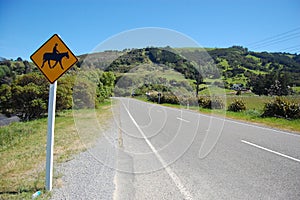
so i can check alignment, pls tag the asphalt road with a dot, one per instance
(179, 154)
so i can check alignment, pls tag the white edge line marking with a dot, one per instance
(182, 119)
(269, 150)
(187, 195)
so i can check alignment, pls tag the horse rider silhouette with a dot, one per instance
(55, 51)
(55, 56)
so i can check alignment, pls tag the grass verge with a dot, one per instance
(23, 150)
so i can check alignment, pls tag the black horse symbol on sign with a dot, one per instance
(55, 56)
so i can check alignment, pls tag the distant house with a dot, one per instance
(237, 87)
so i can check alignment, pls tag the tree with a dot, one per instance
(84, 94)
(92, 87)
(5, 73)
(199, 77)
(105, 86)
(5, 99)
(29, 97)
(28, 102)
(275, 89)
(27, 67)
(64, 93)
(270, 84)
(257, 83)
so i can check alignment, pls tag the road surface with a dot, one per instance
(167, 153)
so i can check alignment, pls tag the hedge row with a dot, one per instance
(204, 102)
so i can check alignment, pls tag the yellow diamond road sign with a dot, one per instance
(53, 58)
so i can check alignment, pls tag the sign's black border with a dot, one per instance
(44, 45)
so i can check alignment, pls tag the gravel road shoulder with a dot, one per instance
(90, 175)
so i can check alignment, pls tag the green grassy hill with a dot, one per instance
(234, 65)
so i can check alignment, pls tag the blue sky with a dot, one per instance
(260, 25)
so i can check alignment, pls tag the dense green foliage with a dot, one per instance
(274, 84)
(92, 87)
(27, 96)
(10, 69)
(282, 108)
(25, 91)
(165, 97)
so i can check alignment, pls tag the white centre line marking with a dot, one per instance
(269, 150)
(187, 195)
(182, 119)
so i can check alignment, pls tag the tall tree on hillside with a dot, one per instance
(5, 99)
(270, 84)
(257, 83)
(199, 77)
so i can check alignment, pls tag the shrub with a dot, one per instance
(168, 97)
(153, 96)
(204, 102)
(282, 108)
(121, 92)
(84, 94)
(237, 106)
(211, 103)
(192, 101)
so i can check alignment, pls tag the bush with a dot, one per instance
(204, 102)
(84, 94)
(282, 108)
(170, 98)
(121, 92)
(237, 106)
(192, 101)
(29, 96)
(211, 103)
(166, 97)
(153, 97)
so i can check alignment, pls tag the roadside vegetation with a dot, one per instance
(24, 93)
(251, 109)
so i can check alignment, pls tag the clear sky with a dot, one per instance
(260, 25)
